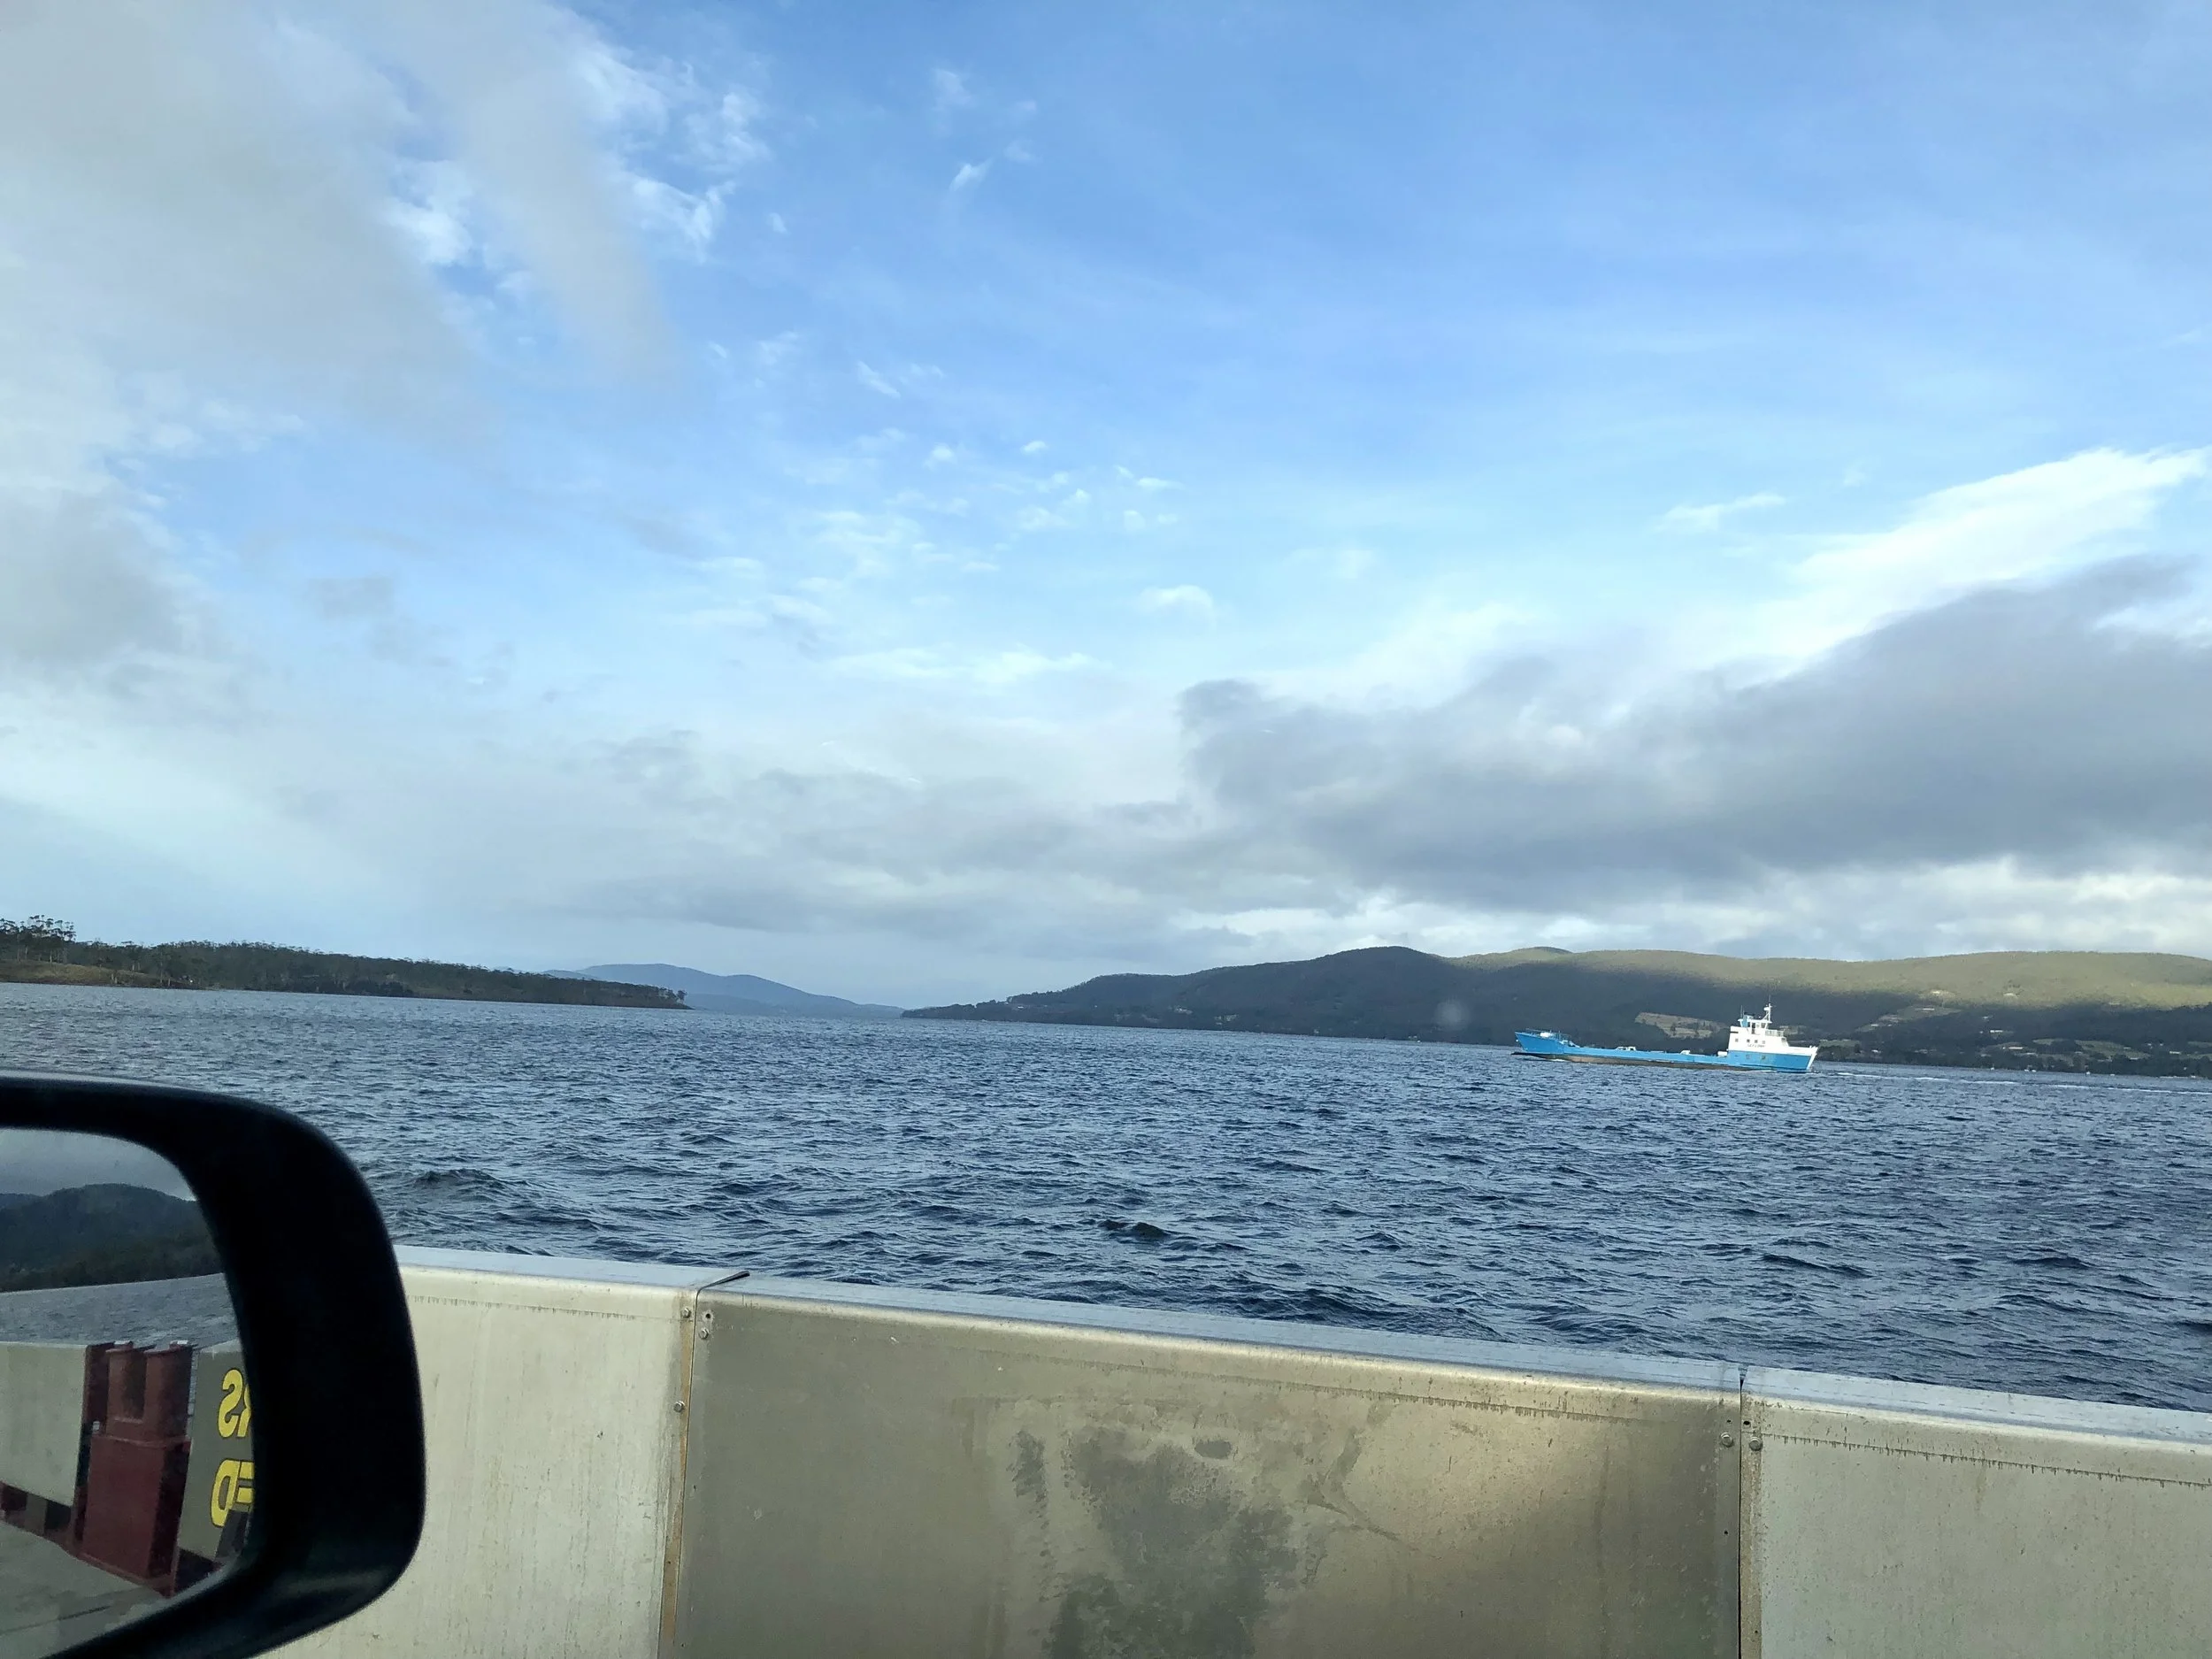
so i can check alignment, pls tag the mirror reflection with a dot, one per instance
(126, 1471)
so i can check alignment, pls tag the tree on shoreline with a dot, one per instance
(35, 939)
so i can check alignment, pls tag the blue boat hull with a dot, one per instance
(1542, 1045)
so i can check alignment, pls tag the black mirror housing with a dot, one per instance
(329, 1357)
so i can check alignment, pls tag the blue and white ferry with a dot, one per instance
(1754, 1044)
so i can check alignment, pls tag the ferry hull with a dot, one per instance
(1540, 1045)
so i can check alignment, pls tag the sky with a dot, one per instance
(929, 503)
(42, 1161)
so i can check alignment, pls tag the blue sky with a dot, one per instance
(934, 502)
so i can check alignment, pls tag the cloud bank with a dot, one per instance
(2025, 765)
(2029, 764)
(2037, 725)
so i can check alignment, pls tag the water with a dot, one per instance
(1996, 1231)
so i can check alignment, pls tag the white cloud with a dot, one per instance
(949, 89)
(2020, 524)
(617, 92)
(1009, 667)
(1035, 446)
(435, 207)
(515, 81)
(994, 670)
(725, 136)
(1346, 564)
(165, 205)
(638, 108)
(1425, 658)
(2039, 521)
(970, 174)
(871, 542)
(1714, 514)
(222, 223)
(1186, 597)
(874, 382)
(83, 583)
(693, 219)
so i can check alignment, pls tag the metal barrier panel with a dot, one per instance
(218, 1487)
(879, 1473)
(1887, 1520)
(42, 1417)
(550, 1395)
(869, 1471)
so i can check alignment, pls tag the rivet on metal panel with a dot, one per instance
(1757, 1445)
(685, 1314)
(1727, 1439)
(679, 1405)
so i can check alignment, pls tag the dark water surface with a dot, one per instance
(1996, 1231)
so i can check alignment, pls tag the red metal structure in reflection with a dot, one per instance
(136, 1459)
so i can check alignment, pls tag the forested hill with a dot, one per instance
(2058, 1010)
(105, 1234)
(41, 950)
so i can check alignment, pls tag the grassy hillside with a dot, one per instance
(2022, 979)
(43, 951)
(2058, 1010)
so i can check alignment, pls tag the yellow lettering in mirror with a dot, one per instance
(233, 1489)
(234, 1416)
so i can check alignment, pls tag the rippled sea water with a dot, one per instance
(1991, 1230)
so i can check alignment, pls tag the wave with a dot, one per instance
(1842, 1270)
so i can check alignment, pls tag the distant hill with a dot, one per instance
(41, 951)
(105, 1234)
(739, 993)
(2053, 1010)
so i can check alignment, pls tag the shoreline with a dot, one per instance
(1832, 1053)
(309, 973)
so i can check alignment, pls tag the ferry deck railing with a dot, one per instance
(632, 1462)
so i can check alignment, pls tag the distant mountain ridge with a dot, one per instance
(2050, 1010)
(737, 992)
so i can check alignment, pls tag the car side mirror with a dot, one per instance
(210, 1424)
